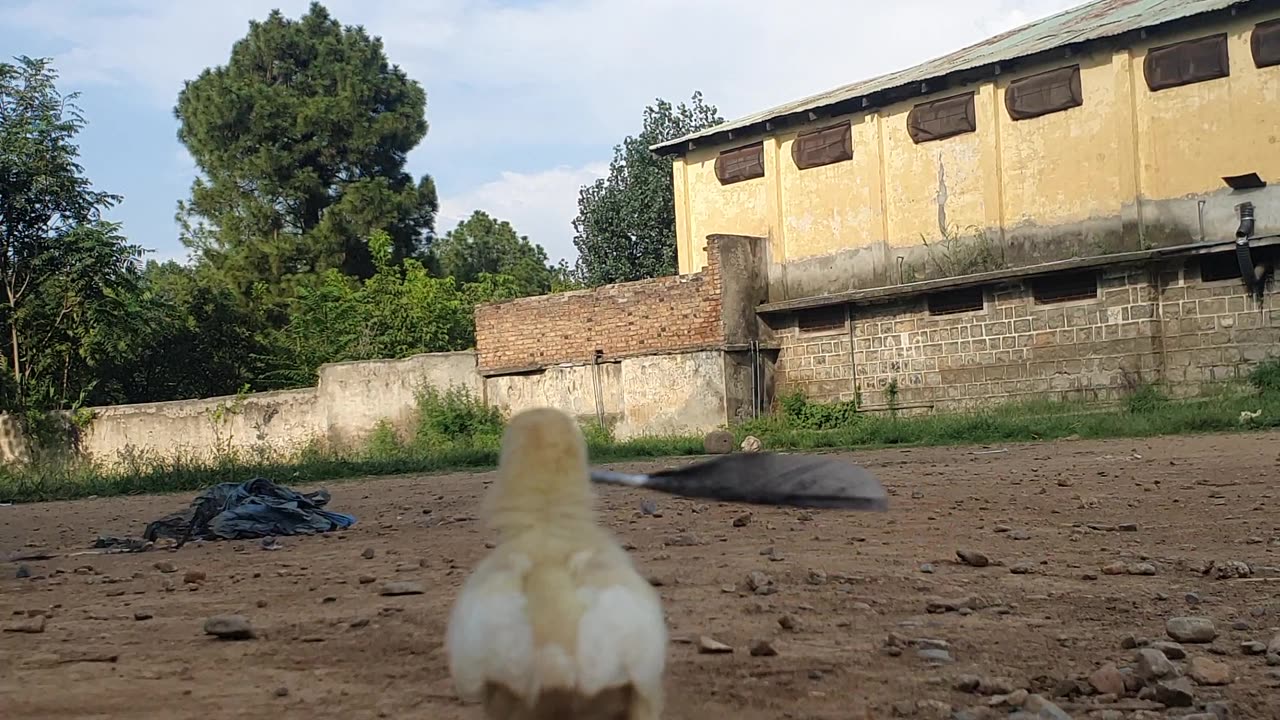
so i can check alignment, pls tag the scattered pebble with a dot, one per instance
(973, 558)
(1153, 664)
(281, 692)
(743, 520)
(927, 568)
(22, 572)
(1208, 672)
(763, 648)
(934, 656)
(711, 646)
(141, 615)
(1108, 680)
(193, 577)
(165, 566)
(402, 587)
(229, 627)
(1191, 629)
(28, 625)
(368, 553)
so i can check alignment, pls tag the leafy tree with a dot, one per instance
(302, 139)
(69, 282)
(626, 224)
(485, 245)
(400, 311)
(195, 341)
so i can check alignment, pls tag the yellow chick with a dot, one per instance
(555, 623)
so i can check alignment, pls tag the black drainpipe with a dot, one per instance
(1243, 256)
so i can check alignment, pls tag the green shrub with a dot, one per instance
(456, 419)
(1266, 377)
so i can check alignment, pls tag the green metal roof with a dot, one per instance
(1088, 22)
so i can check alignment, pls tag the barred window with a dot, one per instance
(823, 147)
(1044, 93)
(744, 163)
(1187, 62)
(943, 118)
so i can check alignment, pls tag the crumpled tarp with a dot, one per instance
(254, 509)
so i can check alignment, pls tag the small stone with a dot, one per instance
(1174, 692)
(743, 520)
(1171, 650)
(229, 627)
(165, 566)
(1127, 527)
(760, 583)
(711, 646)
(1065, 482)
(1273, 646)
(927, 568)
(141, 615)
(751, 444)
(22, 572)
(396, 588)
(1041, 708)
(1022, 568)
(684, 540)
(817, 577)
(1141, 568)
(1152, 664)
(1107, 679)
(368, 553)
(193, 577)
(366, 579)
(28, 626)
(1208, 672)
(1253, 647)
(1115, 568)
(1019, 535)
(973, 558)
(1191, 629)
(935, 657)
(718, 442)
(790, 622)
(1220, 710)
(1192, 598)
(763, 648)
(1230, 569)
(281, 692)
(649, 507)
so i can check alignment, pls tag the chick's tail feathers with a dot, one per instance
(543, 475)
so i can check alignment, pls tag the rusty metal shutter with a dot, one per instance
(744, 163)
(943, 118)
(1044, 93)
(1265, 44)
(1187, 62)
(823, 147)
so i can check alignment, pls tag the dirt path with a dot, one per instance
(332, 647)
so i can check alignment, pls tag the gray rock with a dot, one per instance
(1044, 709)
(27, 626)
(368, 553)
(718, 442)
(1208, 672)
(1171, 650)
(22, 572)
(973, 558)
(649, 507)
(711, 646)
(1022, 568)
(1174, 692)
(937, 657)
(229, 627)
(1153, 664)
(1191, 629)
(396, 588)
(1253, 647)
(927, 568)
(763, 648)
(1273, 646)
(1219, 709)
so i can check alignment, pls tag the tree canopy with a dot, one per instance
(302, 139)
(68, 278)
(626, 225)
(484, 244)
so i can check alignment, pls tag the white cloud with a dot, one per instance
(541, 205)
(526, 81)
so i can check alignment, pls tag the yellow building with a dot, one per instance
(1072, 208)
(1117, 126)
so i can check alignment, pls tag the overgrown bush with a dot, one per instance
(1266, 377)
(455, 418)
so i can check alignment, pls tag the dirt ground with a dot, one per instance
(123, 639)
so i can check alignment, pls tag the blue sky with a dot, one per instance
(525, 99)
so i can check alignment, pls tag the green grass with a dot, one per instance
(454, 431)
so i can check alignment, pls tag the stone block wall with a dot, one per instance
(1057, 335)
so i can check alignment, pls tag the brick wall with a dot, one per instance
(646, 317)
(1158, 323)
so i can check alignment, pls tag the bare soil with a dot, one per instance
(123, 639)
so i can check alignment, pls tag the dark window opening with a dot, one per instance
(1187, 62)
(1044, 93)
(950, 302)
(823, 147)
(1265, 44)
(823, 319)
(1219, 266)
(1065, 287)
(943, 118)
(744, 163)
